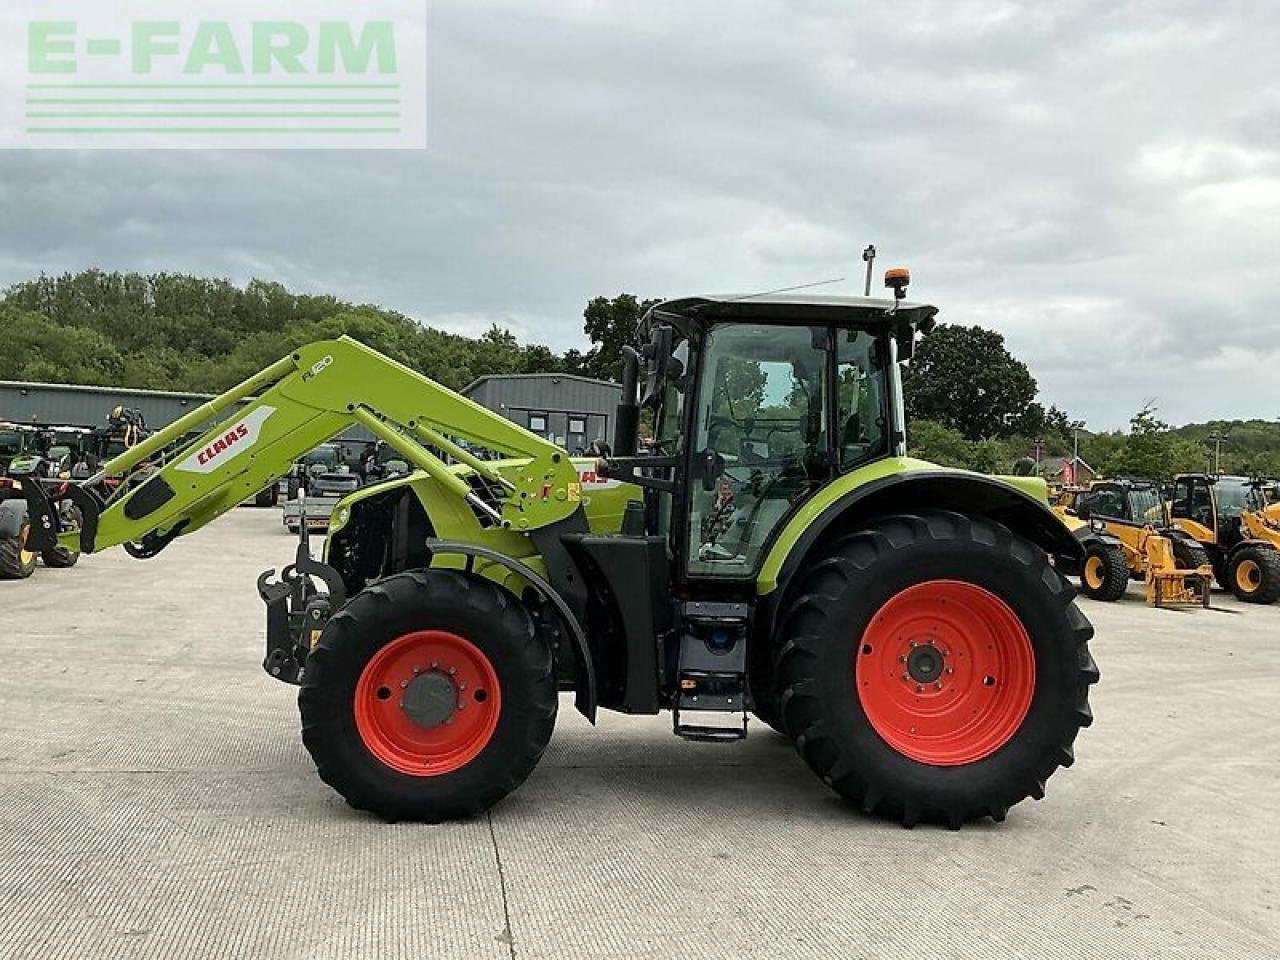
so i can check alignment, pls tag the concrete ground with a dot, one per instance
(155, 800)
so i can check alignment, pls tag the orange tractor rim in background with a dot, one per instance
(427, 703)
(945, 673)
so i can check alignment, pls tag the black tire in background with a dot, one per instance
(1104, 574)
(1254, 574)
(1189, 555)
(58, 556)
(15, 562)
(834, 603)
(471, 607)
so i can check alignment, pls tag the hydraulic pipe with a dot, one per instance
(462, 455)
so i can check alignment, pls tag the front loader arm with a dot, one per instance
(298, 402)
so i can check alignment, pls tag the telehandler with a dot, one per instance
(774, 551)
(1126, 532)
(1227, 516)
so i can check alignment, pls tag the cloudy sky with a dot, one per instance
(1099, 181)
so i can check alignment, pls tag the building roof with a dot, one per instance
(123, 391)
(553, 377)
(1059, 462)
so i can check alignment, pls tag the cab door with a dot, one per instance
(760, 441)
(1193, 508)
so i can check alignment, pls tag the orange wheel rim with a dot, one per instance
(945, 673)
(1249, 576)
(1093, 571)
(427, 703)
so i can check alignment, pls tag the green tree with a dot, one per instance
(932, 441)
(1151, 452)
(611, 325)
(964, 378)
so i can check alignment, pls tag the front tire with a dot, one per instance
(16, 561)
(1254, 574)
(994, 652)
(428, 697)
(1104, 575)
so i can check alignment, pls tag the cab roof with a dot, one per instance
(788, 308)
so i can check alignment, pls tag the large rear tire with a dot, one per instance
(1254, 574)
(1104, 574)
(428, 697)
(935, 667)
(16, 561)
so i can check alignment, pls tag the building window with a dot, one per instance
(577, 425)
(538, 422)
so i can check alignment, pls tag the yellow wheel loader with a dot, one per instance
(1228, 517)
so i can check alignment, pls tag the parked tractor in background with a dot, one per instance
(316, 483)
(1127, 534)
(1228, 517)
(34, 453)
(774, 552)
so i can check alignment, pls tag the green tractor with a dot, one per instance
(28, 452)
(767, 549)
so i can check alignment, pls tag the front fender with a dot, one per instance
(903, 485)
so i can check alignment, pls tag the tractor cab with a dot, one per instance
(1132, 502)
(757, 403)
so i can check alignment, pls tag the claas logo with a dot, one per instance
(236, 434)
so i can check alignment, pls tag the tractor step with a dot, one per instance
(711, 674)
(688, 731)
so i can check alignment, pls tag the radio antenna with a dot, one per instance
(766, 293)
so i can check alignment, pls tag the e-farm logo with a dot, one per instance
(214, 74)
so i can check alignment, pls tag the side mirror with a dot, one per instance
(712, 468)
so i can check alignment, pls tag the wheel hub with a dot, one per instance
(924, 663)
(430, 700)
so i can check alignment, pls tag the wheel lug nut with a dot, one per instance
(417, 670)
(452, 671)
(902, 659)
(938, 684)
(434, 664)
(462, 686)
(919, 689)
(403, 684)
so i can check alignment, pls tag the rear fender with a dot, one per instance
(914, 486)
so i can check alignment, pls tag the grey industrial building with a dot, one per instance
(88, 406)
(569, 410)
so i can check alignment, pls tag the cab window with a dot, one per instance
(762, 416)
